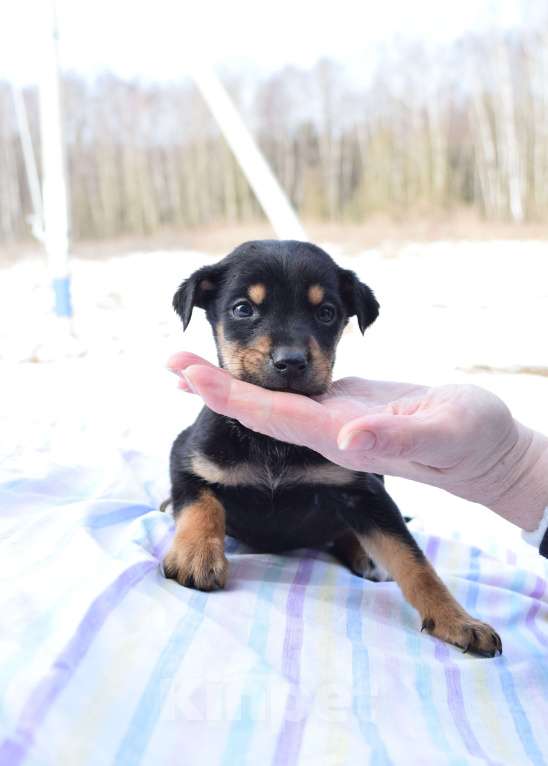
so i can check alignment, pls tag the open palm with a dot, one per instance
(450, 436)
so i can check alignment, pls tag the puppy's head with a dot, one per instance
(277, 309)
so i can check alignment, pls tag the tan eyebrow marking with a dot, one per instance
(315, 294)
(257, 293)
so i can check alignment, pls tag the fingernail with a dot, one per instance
(357, 440)
(185, 383)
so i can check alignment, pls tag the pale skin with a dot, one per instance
(460, 438)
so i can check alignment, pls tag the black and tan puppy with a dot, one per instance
(278, 310)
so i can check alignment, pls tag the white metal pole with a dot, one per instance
(33, 180)
(268, 191)
(54, 190)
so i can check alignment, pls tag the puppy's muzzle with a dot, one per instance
(289, 363)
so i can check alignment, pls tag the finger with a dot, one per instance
(373, 392)
(411, 437)
(369, 461)
(179, 362)
(284, 416)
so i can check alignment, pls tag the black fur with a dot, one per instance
(288, 516)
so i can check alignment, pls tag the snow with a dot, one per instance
(450, 311)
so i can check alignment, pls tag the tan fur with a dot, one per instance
(263, 345)
(325, 474)
(257, 293)
(254, 357)
(251, 360)
(316, 294)
(323, 363)
(240, 359)
(248, 474)
(197, 555)
(230, 353)
(441, 614)
(232, 476)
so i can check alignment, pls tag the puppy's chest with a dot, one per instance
(270, 472)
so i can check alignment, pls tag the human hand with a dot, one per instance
(457, 437)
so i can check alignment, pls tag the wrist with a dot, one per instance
(520, 486)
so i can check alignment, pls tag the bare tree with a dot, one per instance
(465, 125)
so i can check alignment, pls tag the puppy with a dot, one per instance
(277, 310)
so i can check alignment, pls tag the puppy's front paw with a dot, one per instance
(463, 631)
(197, 564)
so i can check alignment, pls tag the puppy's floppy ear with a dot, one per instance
(197, 290)
(358, 299)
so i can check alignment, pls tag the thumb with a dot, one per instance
(398, 436)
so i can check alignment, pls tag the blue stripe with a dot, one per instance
(127, 512)
(155, 693)
(423, 685)
(519, 717)
(79, 521)
(240, 733)
(15, 748)
(61, 290)
(41, 628)
(147, 712)
(35, 634)
(473, 577)
(361, 687)
(522, 725)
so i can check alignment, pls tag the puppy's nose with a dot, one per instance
(289, 361)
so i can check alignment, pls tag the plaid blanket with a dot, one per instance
(103, 661)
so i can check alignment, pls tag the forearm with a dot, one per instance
(522, 478)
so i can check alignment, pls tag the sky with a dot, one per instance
(158, 39)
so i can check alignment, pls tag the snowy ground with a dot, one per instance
(450, 311)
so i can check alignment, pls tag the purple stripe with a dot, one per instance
(290, 735)
(511, 557)
(530, 619)
(14, 749)
(455, 702)
(538, 591)
(455, 698)
(432, 549)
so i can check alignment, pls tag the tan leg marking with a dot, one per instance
(257, 293)
(441, 614)
(315, 294)
(196, 557)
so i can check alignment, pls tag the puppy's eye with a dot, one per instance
(242, 309)
(326, 313)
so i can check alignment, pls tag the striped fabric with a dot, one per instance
(103, 661)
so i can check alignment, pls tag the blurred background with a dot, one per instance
(409, 140)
